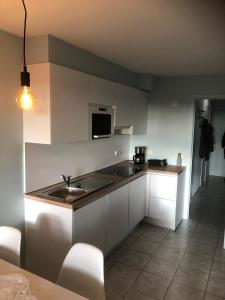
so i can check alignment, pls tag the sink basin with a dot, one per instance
(68, 194)
(78, 189)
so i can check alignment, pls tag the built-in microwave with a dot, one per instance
(101, 120)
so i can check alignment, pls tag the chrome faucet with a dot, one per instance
(66, 179)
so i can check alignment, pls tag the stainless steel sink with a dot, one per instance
(78, 189)
(68, 194)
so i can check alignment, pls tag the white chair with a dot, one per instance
(10, 244)
(83, 271)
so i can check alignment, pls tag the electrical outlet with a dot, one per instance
(149, 151)
(117, 152)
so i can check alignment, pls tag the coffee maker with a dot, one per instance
(139, 157)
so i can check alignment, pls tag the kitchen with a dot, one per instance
(170, 118)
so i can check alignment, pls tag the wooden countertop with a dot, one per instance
(41, 288)
(117, 182)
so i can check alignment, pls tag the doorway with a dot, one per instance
(214, 111)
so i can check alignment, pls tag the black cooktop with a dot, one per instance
(123, 171)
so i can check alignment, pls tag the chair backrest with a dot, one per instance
(10, 244)
(83, 271)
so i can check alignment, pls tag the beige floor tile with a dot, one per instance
(212, 297)
(124, 274)
(205, 238)
(153, 236)
(134, 259)
(198, 249)
(145, 247)
(138, 231)
(151, 227)
(218, 268)
(133, 295)
(108, 264)
(161, 267)
(176, 243)
(169, 253)
(197, 262)
(193, 278)
(116, 253)
(216, 286)
(203, 244)
(114, 297)
(127, 243)
(152, 285)
(114, 288)
(179, 291)
(220, 254)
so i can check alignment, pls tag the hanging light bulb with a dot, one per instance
(25, 98)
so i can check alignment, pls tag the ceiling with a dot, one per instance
(163, 37)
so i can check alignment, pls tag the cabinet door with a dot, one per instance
(131, 108)
(137, 201)
(117, 217)
(140, 104)
(37, 122)
(162, 212)
(101, 91)
(124, 106)
(90, 224)
(163, 186)
(69, 109)
(180, 198)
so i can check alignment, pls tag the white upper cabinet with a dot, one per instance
(61, 114)
(131, 108)
(102, 91)
(61, 111)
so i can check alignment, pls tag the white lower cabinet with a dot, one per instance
(162, 212)
(137, 201)
(51, 230)
(166, 198)
(117, 217)
(48, 235)
(89, 224)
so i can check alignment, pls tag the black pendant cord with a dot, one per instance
(25, 76)
(24, 35)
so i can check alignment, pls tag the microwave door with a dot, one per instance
(101, 125)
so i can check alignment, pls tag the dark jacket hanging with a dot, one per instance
(223, 143)
(206, 140)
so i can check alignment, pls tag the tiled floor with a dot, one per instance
(189, 264)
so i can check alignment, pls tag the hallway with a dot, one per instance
(189, 264)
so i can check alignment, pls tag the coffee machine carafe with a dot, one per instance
(139, 157)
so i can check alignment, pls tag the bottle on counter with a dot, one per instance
(179, 160)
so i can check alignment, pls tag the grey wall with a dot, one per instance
(217, 164)
(171, 115)
(11, 163)
(48, 48)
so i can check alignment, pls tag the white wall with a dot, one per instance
(11, 166)
(217, 164)
(45, 163)
(170, 128)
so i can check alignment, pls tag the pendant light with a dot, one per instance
(25, 97)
